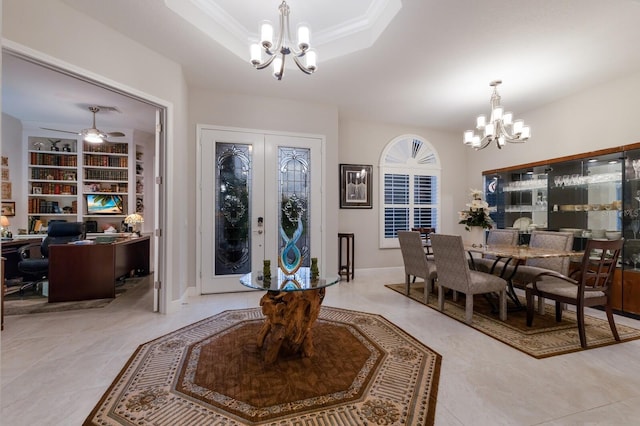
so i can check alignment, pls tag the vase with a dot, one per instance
(475, 236)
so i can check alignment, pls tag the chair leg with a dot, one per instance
(503, 305)
(529, 295)
(441, 298)
(541, 309)
(580, 316)
(612, 324)
(468, 308)
(558, 311)
(428, 287)
(407, 283)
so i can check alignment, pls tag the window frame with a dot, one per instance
(402, 156)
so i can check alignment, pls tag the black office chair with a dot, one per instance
(38, 268)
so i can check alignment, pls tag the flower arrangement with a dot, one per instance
(476, 213)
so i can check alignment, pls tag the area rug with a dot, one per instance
(14, 304)
(545, 338)
(365, 371)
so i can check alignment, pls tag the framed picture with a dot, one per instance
(355, 186)
(6, 191)
(8, 208)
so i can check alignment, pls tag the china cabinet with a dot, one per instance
(593, 195)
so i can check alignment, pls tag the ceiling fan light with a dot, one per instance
(93, 136)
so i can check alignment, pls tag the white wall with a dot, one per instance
(362, 143)
(11, 148)
(249, 112)
(604, 116)
(66, 37)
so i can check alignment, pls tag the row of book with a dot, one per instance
(40, 159)
(54, 188)
(105, 161)
(38, 173)
(109, 148)
(93, 174)
(38, 205)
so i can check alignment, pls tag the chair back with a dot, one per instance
(502, 237)
(598, 265)
(451, 262)
(62, 233)
(413, 255)
(552, 240)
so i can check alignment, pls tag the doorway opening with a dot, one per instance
(39, 96)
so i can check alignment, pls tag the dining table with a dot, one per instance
(506, 255)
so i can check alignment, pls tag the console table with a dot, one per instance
(291, 306)
(90, 271)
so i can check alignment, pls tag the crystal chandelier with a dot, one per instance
(501, 128)
(283, 47)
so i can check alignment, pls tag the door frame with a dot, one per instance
(323, 192)
(162, 287)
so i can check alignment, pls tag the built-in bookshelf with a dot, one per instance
(52, 178)
(62, 174)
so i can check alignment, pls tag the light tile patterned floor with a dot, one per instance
(55, 367)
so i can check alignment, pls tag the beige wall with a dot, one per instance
(248, 112)
(54, 32)
(363, 143)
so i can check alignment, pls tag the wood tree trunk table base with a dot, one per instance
(290, 315)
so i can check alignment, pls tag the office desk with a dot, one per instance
(83, 272)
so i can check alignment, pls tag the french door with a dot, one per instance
(256, 189)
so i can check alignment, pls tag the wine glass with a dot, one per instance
(635, 227)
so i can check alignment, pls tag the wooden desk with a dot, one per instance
(83, 272)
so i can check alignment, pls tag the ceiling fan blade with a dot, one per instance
(115, 134)
(57, 130)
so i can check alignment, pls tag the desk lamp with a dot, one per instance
(4, 227)
(134, 219)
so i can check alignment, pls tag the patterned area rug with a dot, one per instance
(365, 371)
(31, 303)
(544, 339)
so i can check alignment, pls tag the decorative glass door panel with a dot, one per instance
(233, 225)
(258, 196)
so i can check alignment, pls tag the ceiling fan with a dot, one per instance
(92, 134)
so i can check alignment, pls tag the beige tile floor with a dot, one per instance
(56, 366)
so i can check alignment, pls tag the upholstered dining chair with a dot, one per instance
(454, 274)
(415, 261)
(526, 273)
(425, 234)
(590, 287)
(495, 237)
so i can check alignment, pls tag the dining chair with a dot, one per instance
(454, 274)
(495, 237)
(525, 274)
(425, 234)
(590, 287)
(415, 261)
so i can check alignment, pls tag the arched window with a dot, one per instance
(409, 187)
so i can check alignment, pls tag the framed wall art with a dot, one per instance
(8, 208)
(356, 186)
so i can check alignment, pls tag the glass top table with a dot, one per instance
(299, 281)
(291, 305)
